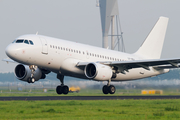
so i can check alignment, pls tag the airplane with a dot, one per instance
(39, 55)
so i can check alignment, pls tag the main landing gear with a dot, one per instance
(62, 89)
(32, 79)
(109, 88)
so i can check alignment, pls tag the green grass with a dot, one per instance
(91, 110)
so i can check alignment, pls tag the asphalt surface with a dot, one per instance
(87, 97)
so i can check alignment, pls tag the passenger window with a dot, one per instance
(31, 42)
(26, 41)
(19, 41)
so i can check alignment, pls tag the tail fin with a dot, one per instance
(152, 46)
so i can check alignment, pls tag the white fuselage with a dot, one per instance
(61, 56)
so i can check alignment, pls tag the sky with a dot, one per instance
(79, 21)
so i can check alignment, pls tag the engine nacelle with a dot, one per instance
(98, 71)
(23, 72)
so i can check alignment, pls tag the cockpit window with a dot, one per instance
(19, 41)
(26, 41)
(14, 41)
(31, 42)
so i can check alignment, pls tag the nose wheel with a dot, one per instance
(32, 79)
(62, 89)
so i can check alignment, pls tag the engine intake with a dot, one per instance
(98, 71)
(23, 72)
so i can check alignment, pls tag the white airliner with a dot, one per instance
(39, 55)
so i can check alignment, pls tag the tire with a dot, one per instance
(29, 80)
(65, 90)
(33, 80)
(111, 89)
(105, 89)
(59, 90)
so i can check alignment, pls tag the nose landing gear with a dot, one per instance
(32, 79)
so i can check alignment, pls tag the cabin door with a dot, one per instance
(44, 46)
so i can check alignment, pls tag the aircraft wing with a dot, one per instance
(146, 63)
(157, 63)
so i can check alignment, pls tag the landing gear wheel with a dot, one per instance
(31, 80)
(111, 89)
(65, 90)
(105, 89)
(62, 88)
(59, 89)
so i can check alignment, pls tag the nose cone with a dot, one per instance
(10, 51)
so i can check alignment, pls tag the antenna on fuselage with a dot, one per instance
(37, 33)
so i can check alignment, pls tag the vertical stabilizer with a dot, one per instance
(152, 46)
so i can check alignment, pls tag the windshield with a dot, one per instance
(31, 42)
(24, 41)
(19, 41)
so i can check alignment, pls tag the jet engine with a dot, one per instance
(23, 72)
(98, 71)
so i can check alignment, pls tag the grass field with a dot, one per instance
(91, 110)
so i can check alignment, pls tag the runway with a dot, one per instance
(87, 97)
